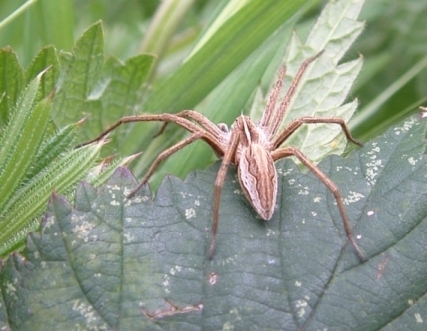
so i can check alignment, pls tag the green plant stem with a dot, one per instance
(17, 12)
(163, 26)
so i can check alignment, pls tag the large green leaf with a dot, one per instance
(97, 263)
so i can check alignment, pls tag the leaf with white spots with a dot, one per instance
(108, 262)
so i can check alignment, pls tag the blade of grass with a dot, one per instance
(362, 123)
(17, 13)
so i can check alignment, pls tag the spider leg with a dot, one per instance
(214, 138)
(183, 122)
(165, 154)
(219, 181)
(294, 125)
(272, 121)
(268, 114)
(291, 151)
(198, 118)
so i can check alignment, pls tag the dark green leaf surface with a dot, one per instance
(98, 262)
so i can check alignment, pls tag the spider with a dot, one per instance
(252, 147)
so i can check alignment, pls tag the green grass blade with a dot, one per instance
(30, 201)
(21, 141)
(374, 119)
(52, 148)
(17, 13)
(163, 25)
(222, 53)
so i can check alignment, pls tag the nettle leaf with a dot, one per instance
(108, 262)
(89, 86)
(325, 85)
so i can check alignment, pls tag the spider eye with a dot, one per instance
(223, 127)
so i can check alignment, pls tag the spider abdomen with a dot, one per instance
(258, 179)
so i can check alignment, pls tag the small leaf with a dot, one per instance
(326, 83)
(35, 156)
(117, 93)
(46, 58)
(104, 170)
(10, 84)
(109, 262)
(88, 86)
(80, 72)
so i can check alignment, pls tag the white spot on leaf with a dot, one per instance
(190, 213)
(213, 277)
(353, 197)
(373, 165)
(418, 318)
(412, 161)
(128, 237)
(82, 230)
(300, 305)
(49, 222)
(85, 310)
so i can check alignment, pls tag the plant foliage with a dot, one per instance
(107, 262)
(36, 151)
(33, 161)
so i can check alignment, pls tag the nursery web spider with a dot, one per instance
(253, 148)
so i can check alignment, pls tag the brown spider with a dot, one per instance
(253, 148)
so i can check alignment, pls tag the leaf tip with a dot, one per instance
(57, 199)
(132, 157)
(40, 75)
